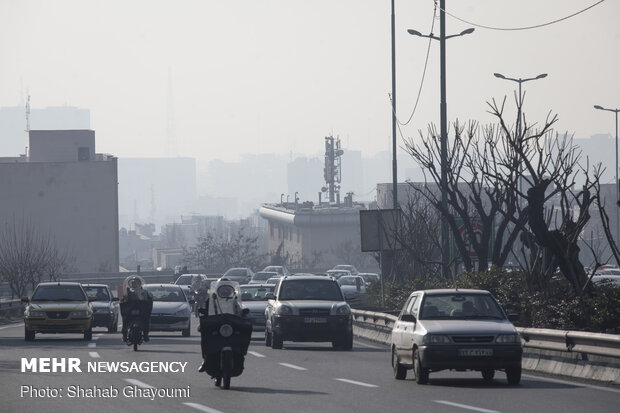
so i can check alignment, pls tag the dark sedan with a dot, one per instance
(105, 307)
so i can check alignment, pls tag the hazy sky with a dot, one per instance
(277, 76)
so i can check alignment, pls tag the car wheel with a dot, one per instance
(267, 338)
(400, 371)
(513, 374)
(186, 332)
(28, 335)
(88, 335)
(421, 374)
(488, 374)
(276, 341)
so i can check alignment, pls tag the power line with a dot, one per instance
(428, 50)
(525, 27)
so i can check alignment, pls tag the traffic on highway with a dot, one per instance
(324, 367)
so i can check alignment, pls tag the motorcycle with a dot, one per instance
(135, 316)
(225, 339)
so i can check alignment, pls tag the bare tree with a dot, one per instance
(27, 255)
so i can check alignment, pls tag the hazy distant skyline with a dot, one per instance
(259, 76)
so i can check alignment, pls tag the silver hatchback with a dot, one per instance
(457, 330)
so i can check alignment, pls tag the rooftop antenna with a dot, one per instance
(28, 114)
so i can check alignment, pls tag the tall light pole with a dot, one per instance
(520, 81)
(443, 108)
(616, 182)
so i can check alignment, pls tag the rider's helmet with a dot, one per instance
(132, 287)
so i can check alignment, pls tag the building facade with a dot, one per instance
(67, 192)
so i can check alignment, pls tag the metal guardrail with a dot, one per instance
(606, 345)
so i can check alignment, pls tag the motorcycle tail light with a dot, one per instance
(226, 330)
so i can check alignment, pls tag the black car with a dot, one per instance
(105, 307)
(308, 308)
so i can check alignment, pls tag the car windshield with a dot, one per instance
(279, 270)
(346, 280)
(262, 276)
(100, 292)
(165, 293)
(235, 272)
(249, 293)
(310, 290)
(184, 280)
(457, 305)
(59, 293)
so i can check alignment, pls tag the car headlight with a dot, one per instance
(508, 339)
(36, 314)
(181, 312)
(81, 313)
(436, 339)
(226, 330)
(343, 310)
(284, 310)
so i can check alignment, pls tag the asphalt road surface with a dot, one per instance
(303, 377)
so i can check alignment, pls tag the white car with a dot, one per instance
(171, 309)
(347, 267)
(352, 286)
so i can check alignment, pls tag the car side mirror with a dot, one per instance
(92, 298)
(114, 298)
(513, 317)
(409, 318)
(270, 296)
(25, 299)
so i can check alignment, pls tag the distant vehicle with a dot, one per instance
(262, 276)
(254, 298)
(277, 268)
(185, 282)
(352, 286)
(338, 273)
(171, 309)
(347, 267)
(370, 277)
(105, 308)
(308, 308)
(273, 281)
(58, 307)
(603, 278)
(457, 330)
(242, 275)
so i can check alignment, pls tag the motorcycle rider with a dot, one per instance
(133, 291)
(223, 298)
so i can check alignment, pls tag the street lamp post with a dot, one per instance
(443, 125)
(616, 182)
(520, 81)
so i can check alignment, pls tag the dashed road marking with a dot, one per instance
(292, 366)
(358, 383)
(465, 406)
(94, 354)
(202, 408)
(255, 354)
(139, 383)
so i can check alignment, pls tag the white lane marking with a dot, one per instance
(292, 366)
(367, 345)
(358, 383)
(95, 338)
(255, 354)
(464, 406)
(573, 383)
(92, 345)
(94, 354)
(139, 383)
(12, 325)
(202, 408)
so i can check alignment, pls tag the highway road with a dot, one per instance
(303, 377)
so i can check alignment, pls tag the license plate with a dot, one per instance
(475, 352)
(315, 320)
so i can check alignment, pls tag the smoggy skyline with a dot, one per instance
(216, 80)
